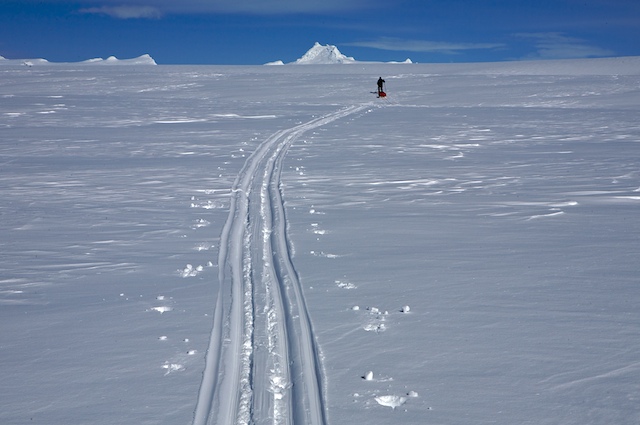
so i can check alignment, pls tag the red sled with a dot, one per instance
(382, 94)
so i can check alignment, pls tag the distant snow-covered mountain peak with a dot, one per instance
(325, 55)
(320, 55)
(111, 60)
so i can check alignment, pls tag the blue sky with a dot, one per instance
(259, 31)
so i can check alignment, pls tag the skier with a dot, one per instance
(380, 87)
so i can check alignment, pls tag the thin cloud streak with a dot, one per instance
(555, 45)
(423, 46)
(124, 12)
(158, 8)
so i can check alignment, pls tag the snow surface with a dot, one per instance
(211, 244)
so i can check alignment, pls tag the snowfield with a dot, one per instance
(275, 245)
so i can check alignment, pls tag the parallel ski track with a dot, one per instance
(262, 365)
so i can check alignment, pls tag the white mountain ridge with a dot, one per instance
(327, 54)
(111, 60)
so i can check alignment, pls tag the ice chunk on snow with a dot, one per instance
(162, 309)
(391, 401)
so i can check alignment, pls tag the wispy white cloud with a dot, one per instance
(125, 12)
(397, 44)
(555, 45)
(157, 8)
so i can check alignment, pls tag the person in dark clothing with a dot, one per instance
(380, 85)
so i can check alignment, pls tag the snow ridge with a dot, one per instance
(262, 365)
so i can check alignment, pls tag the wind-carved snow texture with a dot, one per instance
(262, 364)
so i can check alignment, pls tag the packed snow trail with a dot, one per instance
(262, 364)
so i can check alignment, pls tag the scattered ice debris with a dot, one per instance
(160, 297)
(377, 311)
(405, 309)
(211, 191)
(324, 254)
(345, 285)
(376, 320)
(162, 309)
(278, 386)
(162, 338)
(375, 327)
(207, 205)
(316, 228)
(368, 376)
(190, 271)
(203, 247)
(172, 367)
(391, 401)
(201, 222)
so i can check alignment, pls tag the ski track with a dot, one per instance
(262, 365)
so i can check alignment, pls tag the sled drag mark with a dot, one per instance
(262, 365)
